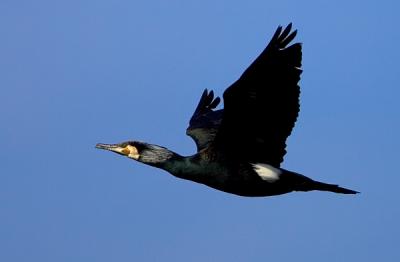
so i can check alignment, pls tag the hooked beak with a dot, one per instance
(129, 151)
(114, 148)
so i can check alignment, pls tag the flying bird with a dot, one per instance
(240, 148)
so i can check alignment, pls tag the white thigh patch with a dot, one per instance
(267, 172)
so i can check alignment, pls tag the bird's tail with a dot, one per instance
(315, 185)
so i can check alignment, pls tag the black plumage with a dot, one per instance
(240, 148)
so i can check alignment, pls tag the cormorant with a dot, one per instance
(240, 148)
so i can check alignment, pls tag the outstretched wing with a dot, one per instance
(205, 121)
(261, 107)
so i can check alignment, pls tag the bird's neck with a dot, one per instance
(176, 165)
(179, 166)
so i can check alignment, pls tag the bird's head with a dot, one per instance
(140, 151)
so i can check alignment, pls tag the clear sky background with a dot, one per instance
(74, 73)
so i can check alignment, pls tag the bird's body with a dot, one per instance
(240, 148)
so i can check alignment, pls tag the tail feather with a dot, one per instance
(315, 185)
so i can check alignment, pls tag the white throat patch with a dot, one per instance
(267, 172)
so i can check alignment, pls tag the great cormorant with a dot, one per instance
(240, 148)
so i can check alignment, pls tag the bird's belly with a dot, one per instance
(245, 186)
(253, 190)
(235, 180)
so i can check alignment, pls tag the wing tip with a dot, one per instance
(283, 38)
(206, 104)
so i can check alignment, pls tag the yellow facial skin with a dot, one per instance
(131, 151)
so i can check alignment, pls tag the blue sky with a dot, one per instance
(74, 73)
